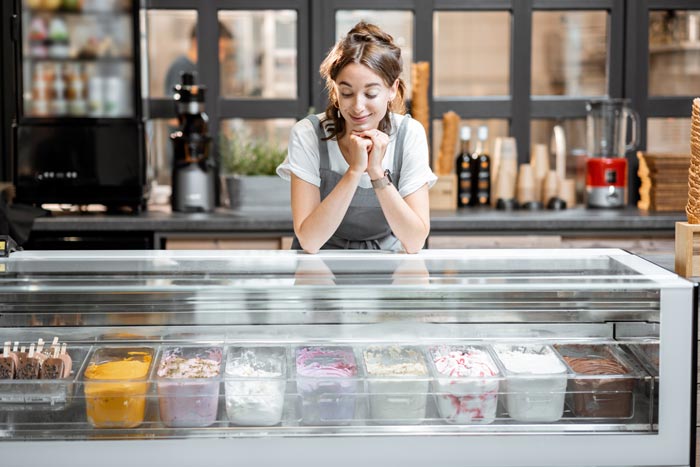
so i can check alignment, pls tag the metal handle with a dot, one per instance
(634, 116)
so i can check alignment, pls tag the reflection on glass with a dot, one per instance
(569, 50)
(399, 270)
(397, 23)
(496, 128)
(262, 59)
(471, 53)
(668, 135)
(172, 48)
(77, 61)
(674, 53)
(542, 132)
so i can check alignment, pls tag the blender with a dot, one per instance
(606, 145)
(193, 169)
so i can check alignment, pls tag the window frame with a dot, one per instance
(627, 64)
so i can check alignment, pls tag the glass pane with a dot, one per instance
(542, 132)
(159, 150)
(569, 53)
(78, 60)
(172, 48)
(668, 135)
(261, 61)
(397, 23)
(674, 53)
(496, 128)
(266, 140)
(472, 53)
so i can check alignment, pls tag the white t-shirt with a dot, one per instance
(303, 158)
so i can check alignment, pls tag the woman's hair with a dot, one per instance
(365, 44)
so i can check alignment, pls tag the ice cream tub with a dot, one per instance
(116, 384)
(255, 381)
(328, 382)
(602, 381)
(535, 384)
(397, 383)
(47, 380)
(466, 383)
(188, 382)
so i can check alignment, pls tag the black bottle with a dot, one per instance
(463, 169)
(481, 170)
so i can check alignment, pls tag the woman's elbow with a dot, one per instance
(307, 246)
(415, 245)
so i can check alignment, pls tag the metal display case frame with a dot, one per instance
(289, 299)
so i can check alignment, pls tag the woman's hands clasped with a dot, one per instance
(372, 144)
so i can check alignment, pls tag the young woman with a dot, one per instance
(359, 172)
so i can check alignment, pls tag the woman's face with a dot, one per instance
(362, 97)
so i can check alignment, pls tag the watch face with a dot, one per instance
(387, 174)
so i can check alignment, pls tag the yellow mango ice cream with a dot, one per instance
(117, 404)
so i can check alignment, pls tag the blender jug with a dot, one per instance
(606, 145)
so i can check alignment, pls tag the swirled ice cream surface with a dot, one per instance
(333, 362)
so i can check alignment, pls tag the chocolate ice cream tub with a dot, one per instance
(602, 381)
(255, 382)
(328, 382)
(466, 383)
(397, 383)
(535, 385)
(188, 382)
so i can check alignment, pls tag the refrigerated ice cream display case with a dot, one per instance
(460, 357)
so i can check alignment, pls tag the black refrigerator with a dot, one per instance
(78, 132)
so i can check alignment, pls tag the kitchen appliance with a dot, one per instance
(193, 169)
(78, 134)
(606, 145)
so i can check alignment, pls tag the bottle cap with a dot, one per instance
(483, 133)
(465, 133)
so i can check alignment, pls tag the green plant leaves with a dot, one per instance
(243, 156)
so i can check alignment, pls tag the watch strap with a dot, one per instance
(382, 182)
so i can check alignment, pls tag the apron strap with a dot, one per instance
(325, 162)
(398, 150)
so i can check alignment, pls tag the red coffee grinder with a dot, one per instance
(606, 144)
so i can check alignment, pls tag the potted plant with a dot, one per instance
(248, 167)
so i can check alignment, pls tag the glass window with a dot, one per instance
(471, 53)
(397, 23)
(668, 135)
(674, 53)
(172, 48)
(261, 60)
(569, 53)
(159, 150)
(496, 128)
(542, 132)
(265, 139)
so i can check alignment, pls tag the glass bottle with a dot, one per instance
(481, 170)
(463, 169)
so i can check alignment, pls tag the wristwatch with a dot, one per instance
(382, 182)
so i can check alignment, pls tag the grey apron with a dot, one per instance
(364, 226)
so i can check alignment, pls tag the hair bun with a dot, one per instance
(361, 37)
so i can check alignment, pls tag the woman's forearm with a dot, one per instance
(323, 221)
(405, 223)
